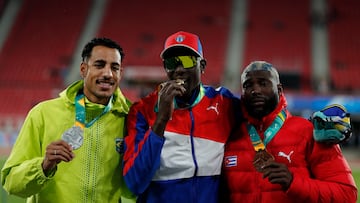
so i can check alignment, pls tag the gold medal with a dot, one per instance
(261, 158)
(73, 136)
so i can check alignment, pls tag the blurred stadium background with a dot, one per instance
(314, 44)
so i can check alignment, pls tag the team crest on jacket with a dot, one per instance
(119, 145)
(230, 161)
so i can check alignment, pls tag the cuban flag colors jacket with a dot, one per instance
(185, 164)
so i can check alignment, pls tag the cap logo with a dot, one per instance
(179, 39)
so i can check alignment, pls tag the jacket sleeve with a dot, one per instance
(330, 180)
(22, 173)
(142, 151)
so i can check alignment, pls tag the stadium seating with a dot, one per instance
(279, 32)
(344, 44)
(18, 101)
(141, 28)
(42, 40)
(39, 48)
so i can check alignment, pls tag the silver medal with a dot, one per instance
(73, 136)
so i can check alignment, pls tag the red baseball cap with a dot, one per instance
(183, 39)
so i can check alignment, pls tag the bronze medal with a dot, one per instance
(73, 136)
(261, 158)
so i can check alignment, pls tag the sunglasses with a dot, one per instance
(170, 64)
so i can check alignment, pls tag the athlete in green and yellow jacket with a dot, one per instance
(44, 166)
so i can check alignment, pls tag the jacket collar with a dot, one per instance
(119, 102)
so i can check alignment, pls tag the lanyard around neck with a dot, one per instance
(80, 112)
(269, 133)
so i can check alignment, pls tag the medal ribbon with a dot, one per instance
(80, 119)
(269, 133)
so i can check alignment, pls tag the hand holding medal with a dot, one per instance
(73, 136)
(262, 157)
(167, 91)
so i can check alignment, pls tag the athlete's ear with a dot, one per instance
(202, 64)
(280, 89)
(83, 69)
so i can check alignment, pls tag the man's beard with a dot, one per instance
(269, 106)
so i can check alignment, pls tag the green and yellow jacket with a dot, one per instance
(94, 175)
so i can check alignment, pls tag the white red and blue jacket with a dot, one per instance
(185, 164)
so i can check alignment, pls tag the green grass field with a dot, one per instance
(4, 198)
(356, 174)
